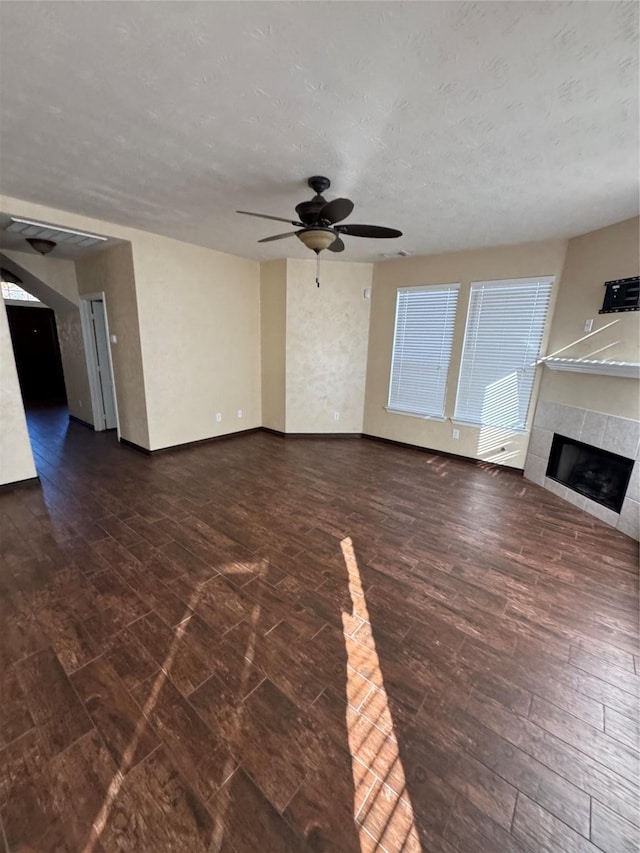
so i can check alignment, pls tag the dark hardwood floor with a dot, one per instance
(283, 645)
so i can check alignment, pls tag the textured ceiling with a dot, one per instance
(462, 124)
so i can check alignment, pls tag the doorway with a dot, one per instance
(36, 349)
(95, 331)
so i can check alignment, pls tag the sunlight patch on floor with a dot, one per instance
(100, 822)
(230, 766)
(382, 807)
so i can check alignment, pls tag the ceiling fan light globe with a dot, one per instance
(317, 239)
(40, 245)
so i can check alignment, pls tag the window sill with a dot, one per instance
(514, 430)
(438, 418)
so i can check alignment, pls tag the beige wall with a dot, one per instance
(16, 458)
(57, 273)
(188, 326)
(53, 281)
(314, 345)
(110, 271)
(491, 444)
(194, 340)
(592, 259)
(273, 337)
(199, 316)
(327, 336)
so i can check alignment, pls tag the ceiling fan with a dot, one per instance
(318, 220)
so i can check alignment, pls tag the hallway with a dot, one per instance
(309, 645)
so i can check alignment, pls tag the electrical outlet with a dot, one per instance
(588, 325)
(239, 413)
(336, 416)
(218, 416)
(455, 433)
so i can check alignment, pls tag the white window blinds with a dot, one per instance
(502, 343)
(425, 317)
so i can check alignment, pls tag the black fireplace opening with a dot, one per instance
(597, 474)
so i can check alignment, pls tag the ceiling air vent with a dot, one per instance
(39, 231)
(402, 253)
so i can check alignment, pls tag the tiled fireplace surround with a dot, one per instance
(618, 435)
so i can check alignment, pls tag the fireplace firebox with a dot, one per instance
(597, 474)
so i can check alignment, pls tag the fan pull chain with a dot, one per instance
(318, 269)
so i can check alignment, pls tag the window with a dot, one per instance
(502, 344)
(425, 317)
(14, 291)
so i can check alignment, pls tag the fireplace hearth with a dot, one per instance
(597, 474)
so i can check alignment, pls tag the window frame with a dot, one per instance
(425, 288)
(523, 426)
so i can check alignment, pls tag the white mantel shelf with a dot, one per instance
(628, 369)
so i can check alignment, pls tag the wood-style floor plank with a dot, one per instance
(310, 645)
(118, 719)
(54, 705)
(156, 809)
(538, 830)
(611, 832)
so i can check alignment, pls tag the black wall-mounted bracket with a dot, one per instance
(622, 294)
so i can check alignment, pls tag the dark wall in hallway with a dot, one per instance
(37, 352)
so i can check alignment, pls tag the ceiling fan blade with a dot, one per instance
(278, 237)
(337, 245)
(334, 211)
(266, 216)
(368, 231)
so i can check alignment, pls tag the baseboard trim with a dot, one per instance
(315, 435)
(29, 483)
(188, 444)
(445, 453)
(135, 446)
(312, 434)
(82, 423)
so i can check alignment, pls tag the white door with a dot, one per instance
(99, 327)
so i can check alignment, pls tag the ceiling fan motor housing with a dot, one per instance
(308, 210)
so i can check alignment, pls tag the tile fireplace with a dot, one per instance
(590, 459)
(590, 471)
